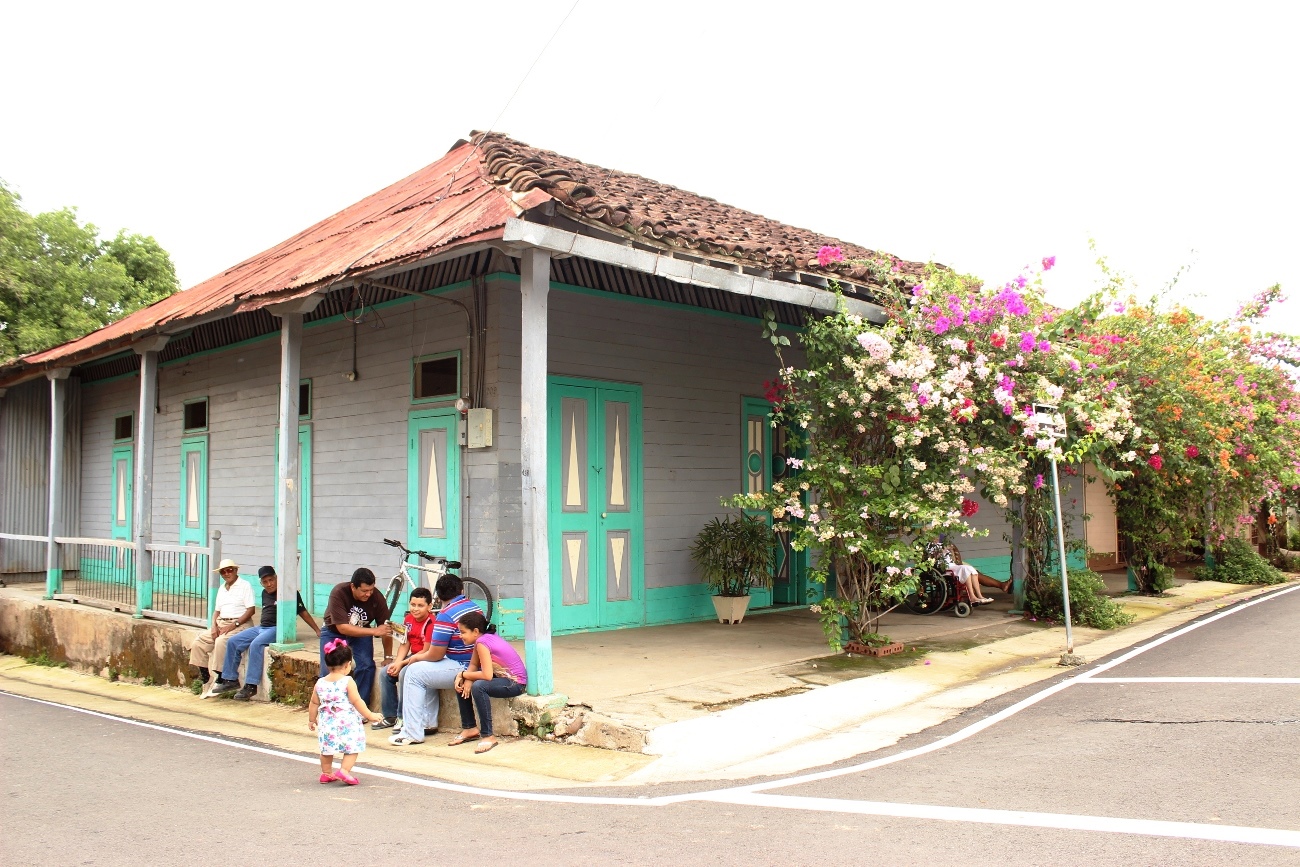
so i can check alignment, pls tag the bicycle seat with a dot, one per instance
(453, 564)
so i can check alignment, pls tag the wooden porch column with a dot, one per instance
(287, 491)
(534, 284)
(58, 411)
(142, 507)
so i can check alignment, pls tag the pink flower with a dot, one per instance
(1192, 452)
(1049, 262)
(1027, 342)
(998, 340)
(827, 255)
(1038, 481)
(969, 507)
(1156, 462)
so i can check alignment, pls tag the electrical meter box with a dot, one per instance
(480, 428)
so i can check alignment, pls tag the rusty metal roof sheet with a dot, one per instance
(464, 199)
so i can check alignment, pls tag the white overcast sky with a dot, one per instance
(980, 135)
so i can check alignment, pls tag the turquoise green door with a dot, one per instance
(313, 596)
(194, 512)
(123, 492)
(764, 458)
(433, 484)
(595, 510)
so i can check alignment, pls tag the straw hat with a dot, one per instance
(226, 564)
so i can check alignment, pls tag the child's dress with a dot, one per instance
(338, 725)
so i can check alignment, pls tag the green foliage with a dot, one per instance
(1089, 605)
(196, 686)
(1237, 562)
(45, 660)
(1162, 578)
(735, 553)
(59, 281)
(1293, 540)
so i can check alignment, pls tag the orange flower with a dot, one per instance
(1272, 519)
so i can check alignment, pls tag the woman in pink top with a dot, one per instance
(495, 671)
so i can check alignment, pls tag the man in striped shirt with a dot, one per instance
(445, 657)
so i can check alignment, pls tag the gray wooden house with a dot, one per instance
(548, 370)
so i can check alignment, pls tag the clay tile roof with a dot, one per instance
(462, 199)
(671, 216)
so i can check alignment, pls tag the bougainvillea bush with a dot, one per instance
(1219, 422)
(904, 420)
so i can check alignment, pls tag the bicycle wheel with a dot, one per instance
(479, 594)
(394, 592)
(930, 596)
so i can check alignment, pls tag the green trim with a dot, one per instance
(508, 615)
(447, 419)
(437, 398)
(597, 519)
(207, 417)
(652, 302)
(53, 582)
(285, 648)
(215, 350)
(126, 453)
(998, 568)
(194, 535)
(537, 653)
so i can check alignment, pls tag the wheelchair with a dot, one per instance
(939, 590)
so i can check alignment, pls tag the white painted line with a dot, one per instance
(749, 794)
(1263, 680)
(1062, 821)
(1006, 713)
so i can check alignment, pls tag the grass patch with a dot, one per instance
(44, 660)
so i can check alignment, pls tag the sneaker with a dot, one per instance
(246, 692)
(386, 723)
(401, 740)
(221, 687)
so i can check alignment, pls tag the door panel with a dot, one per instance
(433, 484)
(595, 504)
(765, 451)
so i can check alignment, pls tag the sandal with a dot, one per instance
(461, 739)
(484, 747)
(346, 778)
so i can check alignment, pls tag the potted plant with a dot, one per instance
(734, 554)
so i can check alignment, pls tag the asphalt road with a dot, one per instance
(82, 789)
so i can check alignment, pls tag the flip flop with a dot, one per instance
(461, 739)
(484, 747)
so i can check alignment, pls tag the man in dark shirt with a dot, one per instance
(254, 641)
(353, 606)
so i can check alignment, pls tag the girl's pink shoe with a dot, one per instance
(327, 778)
(345, 777)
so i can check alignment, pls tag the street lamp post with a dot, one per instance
(1051, 426)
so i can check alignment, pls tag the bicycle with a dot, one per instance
(475, 589)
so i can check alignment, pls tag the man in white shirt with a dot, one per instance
(233, 614)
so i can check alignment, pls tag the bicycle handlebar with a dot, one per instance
(450, 564)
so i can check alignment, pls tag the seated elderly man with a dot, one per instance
(232, 614)
(254, 641)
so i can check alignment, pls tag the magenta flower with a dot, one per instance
(1049, 262)
(1038, 481)
(827, 255)
(1044, 346)
(1192, 452)
(1156, 462)
(942, 324)
(1027, 342)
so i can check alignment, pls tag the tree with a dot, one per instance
(59, 281)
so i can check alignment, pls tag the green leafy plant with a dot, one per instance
(1089, 606)
(1237, 562)
(44, 659)
(196, 686)
(735, 553)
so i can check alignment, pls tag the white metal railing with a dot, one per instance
(184, 581)
(104, 573)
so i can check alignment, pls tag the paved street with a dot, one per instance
(84, 789)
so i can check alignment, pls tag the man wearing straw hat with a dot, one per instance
(233, 613)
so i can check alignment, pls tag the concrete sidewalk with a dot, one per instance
(759, 698)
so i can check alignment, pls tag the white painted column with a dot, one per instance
(58, 412)
(142, 506)
(287, 492)
(534, 284)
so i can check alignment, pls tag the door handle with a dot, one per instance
(604, 515)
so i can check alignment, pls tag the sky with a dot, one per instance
(982, 136)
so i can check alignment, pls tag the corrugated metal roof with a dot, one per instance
(464, 199)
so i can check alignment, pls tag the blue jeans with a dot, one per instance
(483, 691)
(363, 658)
(420, 703)
(388, 684)
(254, 642)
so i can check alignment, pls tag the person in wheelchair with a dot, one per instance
(949, 557)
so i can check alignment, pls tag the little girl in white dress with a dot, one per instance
(337, 714)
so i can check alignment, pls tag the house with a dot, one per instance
(545, 369)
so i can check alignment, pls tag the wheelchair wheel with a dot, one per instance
(961, 609)
(930, 596)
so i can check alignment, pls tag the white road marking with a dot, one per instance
(1062, 821)
(750, 794)
(1260, 680)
